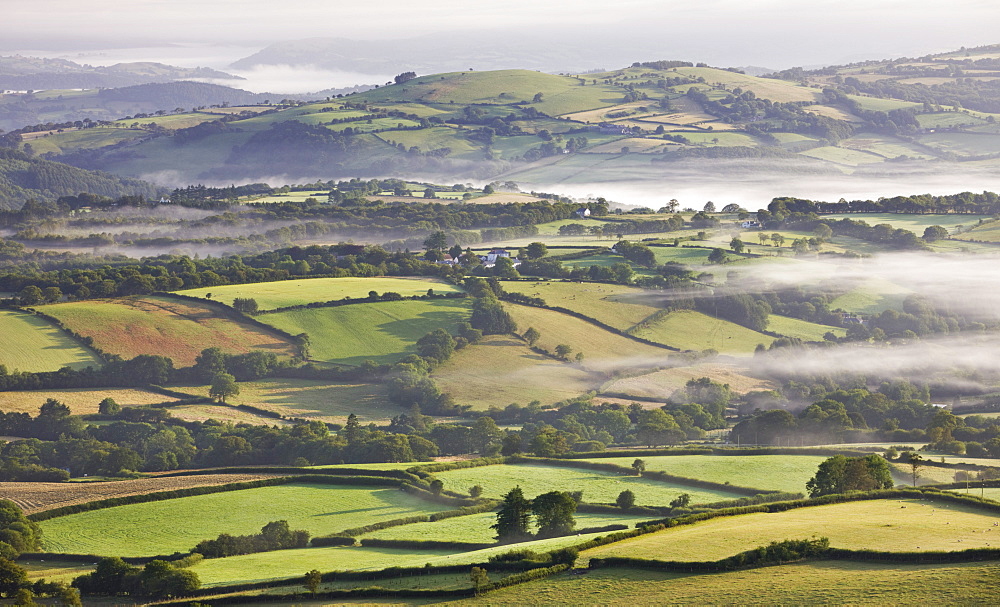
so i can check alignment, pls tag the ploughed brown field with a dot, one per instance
(39, 497)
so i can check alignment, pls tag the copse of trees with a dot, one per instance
(553, 512)
(840, 474)
(157, 579)
(276, 535)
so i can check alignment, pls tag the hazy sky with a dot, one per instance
(775, 33)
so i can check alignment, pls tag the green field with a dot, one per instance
(34, 344)
(177, 525)
(383, 332)
(600, 347)
(82, 401)
(661, 384)
(476, 527)
(842, 155)
(873, 297)
(293, 563)
(616, 305)
(501, 370)
(270, 295)
(914, 223)
(330, 402)
(963, 144)
(771, 472)
(165, 326)
(811, 583)
(602, 487)
(690, 330)
(889, 525)
(803, 329)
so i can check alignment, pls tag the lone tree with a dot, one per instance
(563, 351)
(513, 517)
(108, 406)
(626, 499)
(717, 256)
(480, 579)
(223, 386)
(839, 474)
(639, 466)
(916, 462)
(531, 336)
(313, 579)
(554, 513)
(736, 245)
(681, 501)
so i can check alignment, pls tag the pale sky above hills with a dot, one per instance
(775, 33)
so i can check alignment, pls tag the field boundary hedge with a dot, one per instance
(530, 303)
(348, 301)
(733, 451)
(81, 340)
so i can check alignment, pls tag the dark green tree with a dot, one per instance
(554, 513)
(313, 579)
(626, 499)
(513, 518)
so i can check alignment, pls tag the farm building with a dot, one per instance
(490, 259)
(583, 213)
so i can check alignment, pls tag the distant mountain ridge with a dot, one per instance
(20, 73)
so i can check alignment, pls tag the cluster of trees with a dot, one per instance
(841, 474)
(276, 535)
(17, 535)
(987, 203)
(553, 512)
(767, 115)
(157, 579)
(23, 177)
(897, 411)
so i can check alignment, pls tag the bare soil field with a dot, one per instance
(39, 497)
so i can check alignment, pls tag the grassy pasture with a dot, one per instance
(331, 402)
(600, 348)
(884, 146)
(891, 525)
(596, 486)
(382, 332)
(690, 330)
(86, 138)
(34, 344)
(293, 563)
(661, 384)
(947, 119)
(53, 570)
(767, 88)
(476, 527)
(616, 305)
(501, 370)
(223, 413)
(988, 232)
(774, 472)
(803, 329)
(161, 325)
(561, 94)
(916, 223)
(874, 296)
(81, 401)
(963, 144)
(434, 138)
(842, 156)
(881, 105)
(811, 583)
(270, 295)
(178, 524)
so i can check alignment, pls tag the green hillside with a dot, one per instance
(537, 127)
(23, 177)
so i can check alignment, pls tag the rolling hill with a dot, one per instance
(638, 123)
